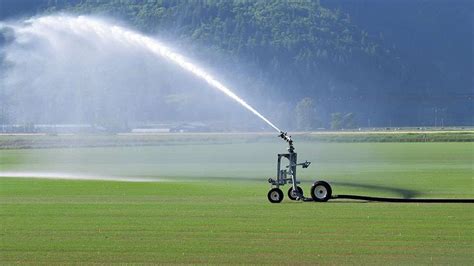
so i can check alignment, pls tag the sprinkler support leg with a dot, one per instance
(287, 175)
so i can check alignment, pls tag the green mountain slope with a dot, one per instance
(284, 51)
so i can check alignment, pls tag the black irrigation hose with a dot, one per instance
(355, 197)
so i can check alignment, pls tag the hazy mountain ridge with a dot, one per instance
(280, 50)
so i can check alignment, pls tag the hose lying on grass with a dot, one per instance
(381, 199)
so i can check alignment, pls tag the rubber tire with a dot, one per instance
(275, 200)
(328, 191)
(290, 190)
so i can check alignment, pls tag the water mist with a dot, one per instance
(48, 29)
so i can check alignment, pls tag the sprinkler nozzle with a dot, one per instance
(285, 137)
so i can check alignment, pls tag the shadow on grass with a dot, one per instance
(404, 193)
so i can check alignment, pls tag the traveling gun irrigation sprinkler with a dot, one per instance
(320, 190)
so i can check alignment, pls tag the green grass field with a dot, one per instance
(212, 206)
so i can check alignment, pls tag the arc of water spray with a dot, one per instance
(181, 61)
(162, 50)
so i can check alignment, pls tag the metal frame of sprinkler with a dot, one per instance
(320, 190)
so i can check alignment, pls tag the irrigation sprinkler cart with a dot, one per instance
(320, 190)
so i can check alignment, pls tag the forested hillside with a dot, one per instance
(302, 59)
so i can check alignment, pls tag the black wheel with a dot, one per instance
(321, 191)
(275, 195)
(292, 195)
